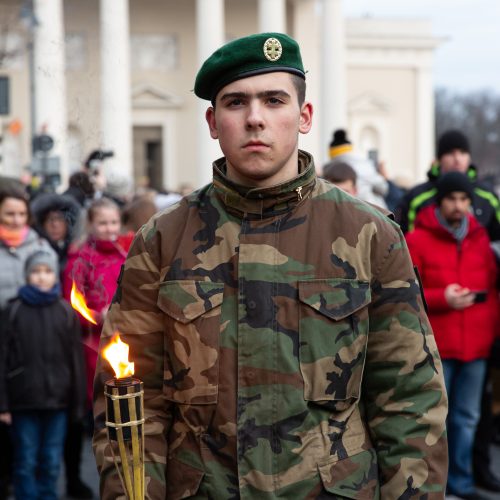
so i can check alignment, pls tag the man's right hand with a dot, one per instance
(458, 297)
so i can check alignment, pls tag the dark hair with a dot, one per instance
(101, 203)
(136, 213)
(82, 181)
(18, 194)
(300, 86)
(337, 171)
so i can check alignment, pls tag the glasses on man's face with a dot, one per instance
(55, 218)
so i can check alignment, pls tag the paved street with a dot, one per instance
(89, 472)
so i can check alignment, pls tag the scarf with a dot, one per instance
(13, 237)
(35, 297)
(460, 232)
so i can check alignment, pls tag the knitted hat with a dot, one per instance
(248, 56)
(451, 140)
(340, 144)
(451, 182)
(41, 257)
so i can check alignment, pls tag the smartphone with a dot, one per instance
(480, 296)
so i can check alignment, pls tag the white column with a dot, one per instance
(306, 29)
(425, 122)
(116, 123)
(49, 78)
(272, 16)
(210, 36)
(333, 82)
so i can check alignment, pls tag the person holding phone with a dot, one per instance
(458, 272)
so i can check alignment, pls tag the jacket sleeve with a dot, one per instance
(404, 392)
(134, 314)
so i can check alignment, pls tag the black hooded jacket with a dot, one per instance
(484, 202)
(42, 205)
(41, 358)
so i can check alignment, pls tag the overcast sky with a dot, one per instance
(470, 59)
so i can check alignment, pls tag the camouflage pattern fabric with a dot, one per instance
(284, 348)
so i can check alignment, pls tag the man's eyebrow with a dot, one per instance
(245, 95)
(233, 95)
(273, 93)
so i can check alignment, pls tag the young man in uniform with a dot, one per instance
(276, 322)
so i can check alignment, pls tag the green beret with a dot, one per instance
(248, 56)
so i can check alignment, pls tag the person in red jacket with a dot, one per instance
(458, 271)
(94, 267)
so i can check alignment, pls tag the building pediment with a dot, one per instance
(147, 96)
(369, 103)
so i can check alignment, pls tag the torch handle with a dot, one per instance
(125, 423)
(123, 451)
(136, 450)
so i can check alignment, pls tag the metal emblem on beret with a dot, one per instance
(272, 49)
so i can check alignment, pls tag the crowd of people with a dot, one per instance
(50, 242)
(243, 290)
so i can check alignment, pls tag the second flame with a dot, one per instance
(78, 303)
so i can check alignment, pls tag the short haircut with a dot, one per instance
(338, 171)
(300, 86)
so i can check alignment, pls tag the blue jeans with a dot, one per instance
(464, 384)
(38, 437)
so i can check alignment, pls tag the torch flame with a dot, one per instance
(116, 353)
(78, 303)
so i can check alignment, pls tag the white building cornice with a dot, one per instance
(413, 34)
(147, 96)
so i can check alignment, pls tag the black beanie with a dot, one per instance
(339, 138)
(451, 182)
(451, 140)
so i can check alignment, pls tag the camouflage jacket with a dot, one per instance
(284, 348)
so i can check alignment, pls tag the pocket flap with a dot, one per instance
(186, 300)
(336, 298)
(352, 477)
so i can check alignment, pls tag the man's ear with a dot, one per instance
(212, 125)
(305, 121)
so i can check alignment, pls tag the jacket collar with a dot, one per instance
(435, 171)
(264, 202)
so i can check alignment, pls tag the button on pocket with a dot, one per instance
(192, 328)
(333, 334)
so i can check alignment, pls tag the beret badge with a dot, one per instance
(272, 49)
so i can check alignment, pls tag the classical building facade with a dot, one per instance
(118, 75)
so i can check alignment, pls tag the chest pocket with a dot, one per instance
(333, 334)
(191, 363)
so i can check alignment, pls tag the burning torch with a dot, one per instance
(124, 409)
(125, 419)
